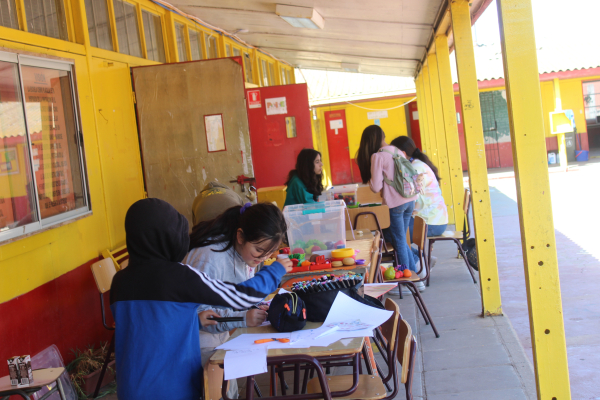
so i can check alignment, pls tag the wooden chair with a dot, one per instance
(456, 236)
(419, 237)
(104, 271)
(372, 387)
(120, 256)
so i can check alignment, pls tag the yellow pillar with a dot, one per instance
(562, 147)
(451, 129)
(440, 136)
(533, 198)
(431, 140)
(475, 144)
(421, 111)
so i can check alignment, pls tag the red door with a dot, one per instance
(415, 129)
(337, 141)
(279, 123)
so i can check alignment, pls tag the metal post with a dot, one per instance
(421, 109)
(451, 128)
(475, 144)
(440, 136)
(431, 140)
(533, 197)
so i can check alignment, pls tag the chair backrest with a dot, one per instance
(103, 271)
(419, 232)
(368, 221)
(389, 327)
(467, 201)
(466, 208)
(118, 256)
(365, 195)
(404, 343)
(375, 258)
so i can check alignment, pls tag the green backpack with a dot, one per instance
(405, 176)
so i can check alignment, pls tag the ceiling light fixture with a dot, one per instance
(349, 67)
(300, 17)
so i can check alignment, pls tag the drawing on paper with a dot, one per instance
(355, 325)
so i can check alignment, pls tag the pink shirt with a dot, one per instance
(382, 162)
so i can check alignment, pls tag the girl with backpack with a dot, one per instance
(229, 248)
(430, 204)
(375, 159)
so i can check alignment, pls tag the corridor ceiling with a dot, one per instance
(386, 37)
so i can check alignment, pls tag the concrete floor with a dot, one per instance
(575, 196)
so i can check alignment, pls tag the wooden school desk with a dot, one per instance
(41, 379)
(345, 350)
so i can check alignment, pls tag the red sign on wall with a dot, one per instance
(254, 99)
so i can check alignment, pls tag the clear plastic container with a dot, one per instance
(347, 193)
(326, 195)
(316, 226)
(50, 358)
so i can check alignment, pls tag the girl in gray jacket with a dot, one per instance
(229, 248)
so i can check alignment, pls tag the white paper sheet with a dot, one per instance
(353, 323)
(244, 362)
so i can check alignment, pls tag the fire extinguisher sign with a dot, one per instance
(254, 99)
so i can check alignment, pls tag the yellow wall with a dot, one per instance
(112, 151)
(356, 119)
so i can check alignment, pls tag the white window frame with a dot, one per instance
(42, 224)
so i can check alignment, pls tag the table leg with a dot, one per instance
(250, 387)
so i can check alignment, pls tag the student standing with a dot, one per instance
(375, 160)
(305, 183)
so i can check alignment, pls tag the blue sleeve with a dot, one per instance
(267, 279)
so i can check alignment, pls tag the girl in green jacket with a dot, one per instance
(304, 184)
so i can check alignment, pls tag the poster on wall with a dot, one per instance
(277, 105)
(254, 99)
(215, 136)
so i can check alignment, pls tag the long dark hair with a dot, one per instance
(370, 143)
(260, 223)
(305, 170)
(408, 146)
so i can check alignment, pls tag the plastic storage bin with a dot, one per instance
(316, 226)
(347, 193)
(326, 195)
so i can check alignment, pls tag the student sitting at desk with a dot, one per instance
(305, 183)
(154, 302)
(229, 248)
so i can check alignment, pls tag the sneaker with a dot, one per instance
(433, 261)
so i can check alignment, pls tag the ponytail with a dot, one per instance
(407, 145)
(262, 222)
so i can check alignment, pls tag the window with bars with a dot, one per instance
(591, 102)
(227, 50)
(265, 74)
(236, 52)
(180, 38)
(128, 30)
(155, 47)
(98, 24)
(283, 80)
(211, 47)
(42, 167)
(248, 67)
(288, 75)
(8, 14)
(46, 17)
(196, 45)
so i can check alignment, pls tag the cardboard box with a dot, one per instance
(13, 370)
(25, 371)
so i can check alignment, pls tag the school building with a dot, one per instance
(102, 104)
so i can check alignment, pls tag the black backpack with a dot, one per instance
(470, 249)
(287, 312)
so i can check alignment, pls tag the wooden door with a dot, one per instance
(337, 142)
(277, 135)
(193, 128)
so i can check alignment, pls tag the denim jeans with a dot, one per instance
(432, 230)
(399, 220)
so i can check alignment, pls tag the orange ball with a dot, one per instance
(407, 273)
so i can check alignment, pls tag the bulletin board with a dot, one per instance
(193, 128)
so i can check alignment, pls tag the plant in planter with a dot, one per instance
(84, 370)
